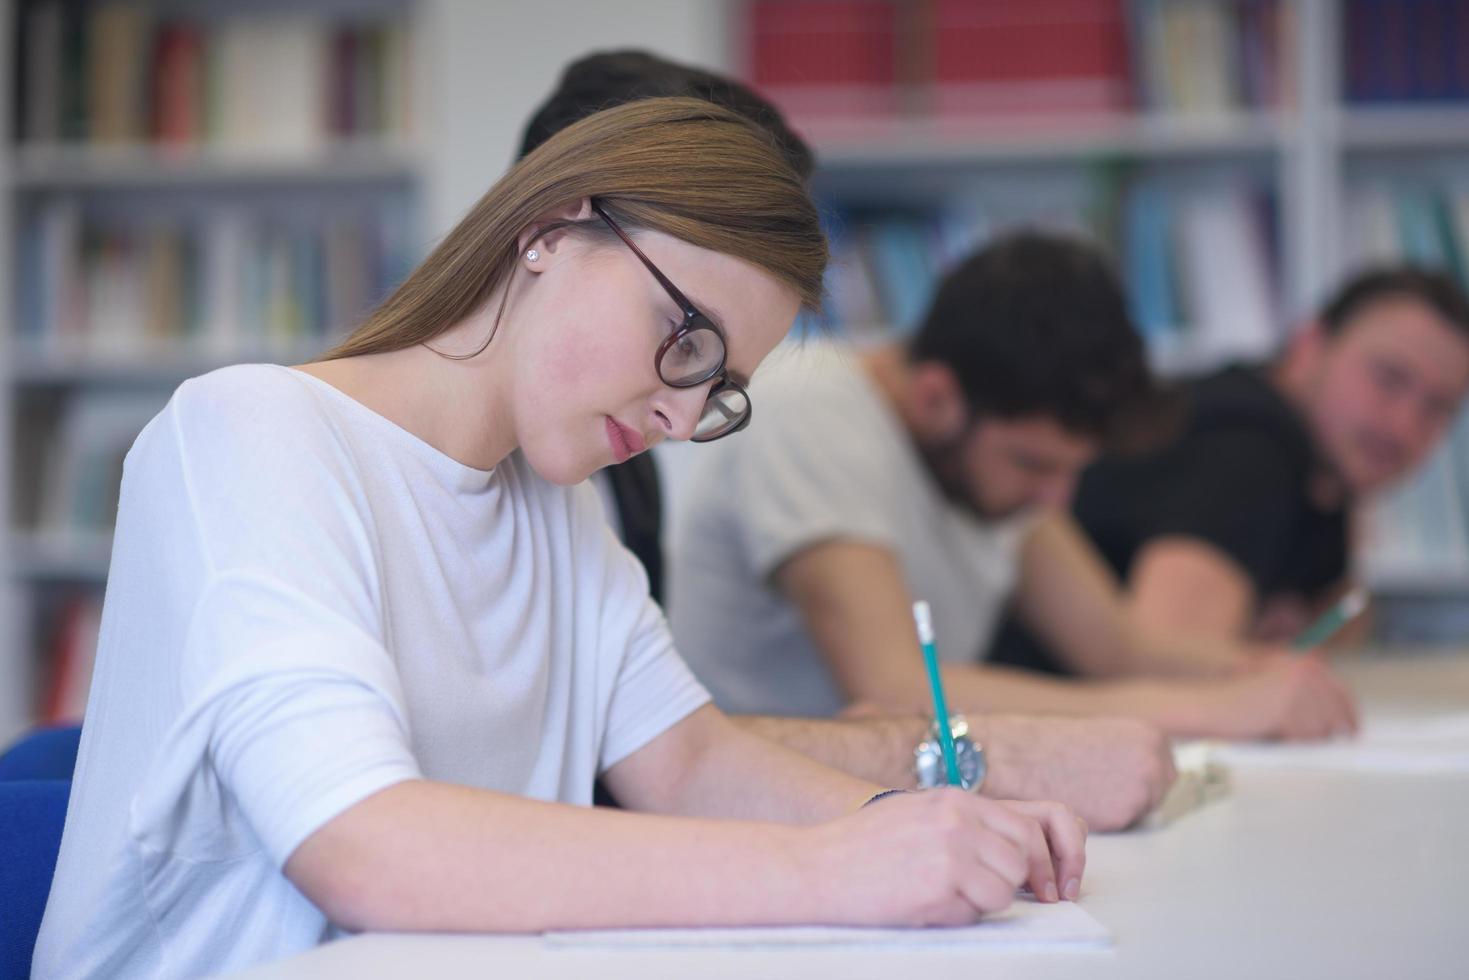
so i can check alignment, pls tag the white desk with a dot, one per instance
(1293, 875)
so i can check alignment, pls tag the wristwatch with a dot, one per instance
(928, 758)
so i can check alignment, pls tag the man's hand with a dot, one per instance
(1111, 771)
(1286, 697)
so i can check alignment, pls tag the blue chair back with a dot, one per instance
(46, 753)
(32, 813)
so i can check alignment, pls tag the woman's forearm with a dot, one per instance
(426, 856)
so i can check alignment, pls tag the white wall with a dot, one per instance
(488, 63)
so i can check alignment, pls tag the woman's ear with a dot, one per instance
(537, 244)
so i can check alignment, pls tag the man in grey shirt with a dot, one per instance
(824, 431)
(940, 469)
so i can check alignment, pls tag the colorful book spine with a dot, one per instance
(1058, 57)
(123, 73)
(117, 287)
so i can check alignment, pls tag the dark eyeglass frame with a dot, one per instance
(693, 320)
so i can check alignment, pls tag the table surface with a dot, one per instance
(1293, 874)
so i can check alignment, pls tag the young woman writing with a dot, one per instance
(367, 641)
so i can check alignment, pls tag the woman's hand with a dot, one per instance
(943, 858)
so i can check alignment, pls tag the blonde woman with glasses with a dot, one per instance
(367, 639)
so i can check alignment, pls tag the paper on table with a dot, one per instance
(1201, 779)
(1433, 744)
(1027, 923)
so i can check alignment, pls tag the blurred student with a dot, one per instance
(367, 641)
(1241, 526)
(1111, 771)
(940, 468)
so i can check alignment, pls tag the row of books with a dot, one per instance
(980, 57)
(1405, 50)
(1210, 56)
(117, 73)
(227, 281)
(1421, 221)
(74, 460)
(1199, 263)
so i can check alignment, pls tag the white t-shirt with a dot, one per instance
(306, 605)
(824, 458)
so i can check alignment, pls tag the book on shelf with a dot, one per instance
(80, 472)
(70, 655)
(1198, 263)
(1414, 220)
(1147, 263)
(1405, 51)
(1230, 302)
(823, 57)
(1202, 57)
(270, 83)
(224, 280)
(1060, 58)
(1038, 56)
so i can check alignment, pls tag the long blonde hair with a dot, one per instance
(685, 167)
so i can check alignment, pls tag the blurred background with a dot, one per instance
(190, 183)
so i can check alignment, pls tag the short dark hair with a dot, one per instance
(1434, 289)
(607, 78)
(1036, 323)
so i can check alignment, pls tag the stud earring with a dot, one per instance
(531, 255)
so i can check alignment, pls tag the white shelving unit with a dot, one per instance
(66, 168)
(919, 144)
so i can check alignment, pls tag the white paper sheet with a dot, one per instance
(1431, 744)
(1202, 779)
(1028, 923)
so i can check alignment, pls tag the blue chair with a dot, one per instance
(32, 813)
(46, 753)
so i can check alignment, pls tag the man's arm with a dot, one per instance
(1068, 596)
(857, 607)
(1180, 582)
(422, 855)
(1111, 771)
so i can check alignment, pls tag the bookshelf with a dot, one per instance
(184, 185)
(1307, 151)
(477, 69)
(1299, 150)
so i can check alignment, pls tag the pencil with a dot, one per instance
(1342, 612)
(924, 619)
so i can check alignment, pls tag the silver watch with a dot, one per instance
(928, 758)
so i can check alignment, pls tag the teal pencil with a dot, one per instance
(924, 618)
(1342, 612)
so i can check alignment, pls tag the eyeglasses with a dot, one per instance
(692, 355)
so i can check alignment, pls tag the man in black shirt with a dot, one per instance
(1240, 525)
(1244, 489)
